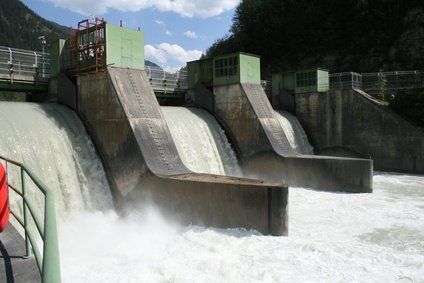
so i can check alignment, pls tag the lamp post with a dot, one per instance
(43, 44)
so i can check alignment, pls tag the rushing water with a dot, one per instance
(294, 132)
(51, 141)
(200, 141)
(334, 237)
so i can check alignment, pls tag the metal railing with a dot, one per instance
(47, 259)
(167, 82)
(393, 80)
(267, 86)
(375, 82)
(347, 80)
(19, 64)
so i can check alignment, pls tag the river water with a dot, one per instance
(333, 237)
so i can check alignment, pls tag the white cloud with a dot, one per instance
(185, 8)
(191, 34)
(165, 52)
(163, 25)
(170, 69)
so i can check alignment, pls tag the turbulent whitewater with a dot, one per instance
(200, 141)
(333, 237)
(51, 141)
(294, 132)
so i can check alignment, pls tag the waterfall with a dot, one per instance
(52, 142)
(200, 141)
(294, 132)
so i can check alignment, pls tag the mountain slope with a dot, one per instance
(20, 27)
(348, 35)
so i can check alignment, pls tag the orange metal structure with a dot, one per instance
(87, 49)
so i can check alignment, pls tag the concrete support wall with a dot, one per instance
(351, 123)
(250, 122)
(122, 115)
(234, 111)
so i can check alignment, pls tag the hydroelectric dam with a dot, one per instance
(101, 138)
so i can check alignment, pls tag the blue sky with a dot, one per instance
(175, 31)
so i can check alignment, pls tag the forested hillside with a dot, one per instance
(20, 27)
(348, 35)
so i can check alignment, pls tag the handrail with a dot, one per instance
(35, 64)
(48, 262)
(394, 80)
(167, 82)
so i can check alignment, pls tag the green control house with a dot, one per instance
(225, 70)
(117, 46)
(312, 80)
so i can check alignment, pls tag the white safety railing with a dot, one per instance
(21, 64)
(167, 82)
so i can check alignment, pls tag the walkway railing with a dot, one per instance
(379, 81)
(393, 80)
(167, 82)
(24, 65)
(347, 80)
(47, 258)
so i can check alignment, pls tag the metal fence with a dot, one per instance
(372, 82)
(22, 64)
(167, 82)
(347, 80)
(47, 256)
(267, 86)
(392, 80)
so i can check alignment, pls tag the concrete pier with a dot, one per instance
(351, 123)
(124, 119)
(249, 120)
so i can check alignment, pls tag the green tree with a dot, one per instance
(348, 35)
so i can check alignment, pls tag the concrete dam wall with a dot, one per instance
(125, 120)
(259, 139)
(351, 123)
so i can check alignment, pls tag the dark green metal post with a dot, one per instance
(28, 249)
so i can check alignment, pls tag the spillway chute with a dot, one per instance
(51, 140)
(294, 132)
(201, 142)
(146, 165)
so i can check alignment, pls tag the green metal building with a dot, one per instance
(312, 80)
(124, 47)
(118, 46)
(225, 70)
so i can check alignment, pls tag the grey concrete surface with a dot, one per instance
(13, 267)
(250, 122)
(124, 119)
(351, 123)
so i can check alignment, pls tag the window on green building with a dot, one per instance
(306, 79)
(226, 67)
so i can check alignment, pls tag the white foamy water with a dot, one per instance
(200, 141)
(51, 141)
(294, 132)
(334, 237)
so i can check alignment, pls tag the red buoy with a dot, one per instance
(4, 199)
